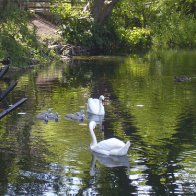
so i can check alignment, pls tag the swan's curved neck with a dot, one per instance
(93, 137)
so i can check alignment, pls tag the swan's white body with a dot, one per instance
(110, 146)
(95, 106)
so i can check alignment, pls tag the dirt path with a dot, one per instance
(45, 29)
(48, 31)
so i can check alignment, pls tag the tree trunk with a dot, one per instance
(102, 9)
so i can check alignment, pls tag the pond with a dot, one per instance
(143, 104)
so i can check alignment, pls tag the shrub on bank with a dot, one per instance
(176, 31)
(79, 28)
(136, 39)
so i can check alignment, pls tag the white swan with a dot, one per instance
(110, 146)
(95, 106)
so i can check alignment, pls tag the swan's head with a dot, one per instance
(101, 98)
(92, 125)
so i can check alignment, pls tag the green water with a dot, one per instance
(143, 104)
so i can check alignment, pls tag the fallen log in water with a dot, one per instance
(17, 104)
(9, 89)
(3, 71)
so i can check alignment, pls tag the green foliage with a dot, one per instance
(80, 28)
(103, 39)
(129, 21)
(175, 33)
(15, 36)
(187, 7)
(136, 39)
(17, 40)
(171, 23)
(77, 29)
(75, 25)
(177, 29)
(131, 27)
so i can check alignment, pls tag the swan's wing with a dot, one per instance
(110, 144)
(93, 105)
(122, 151)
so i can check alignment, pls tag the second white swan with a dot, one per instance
(95, 106)
(112, 146)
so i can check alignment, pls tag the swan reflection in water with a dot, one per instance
(108, 161)
(99, 119)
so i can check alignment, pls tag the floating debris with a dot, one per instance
(140, 105)
(21, 113)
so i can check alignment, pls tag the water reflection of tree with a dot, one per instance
(89, 72)
(159, 144)
(17, 153)
(154, 126)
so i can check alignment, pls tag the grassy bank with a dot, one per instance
(18, 39)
